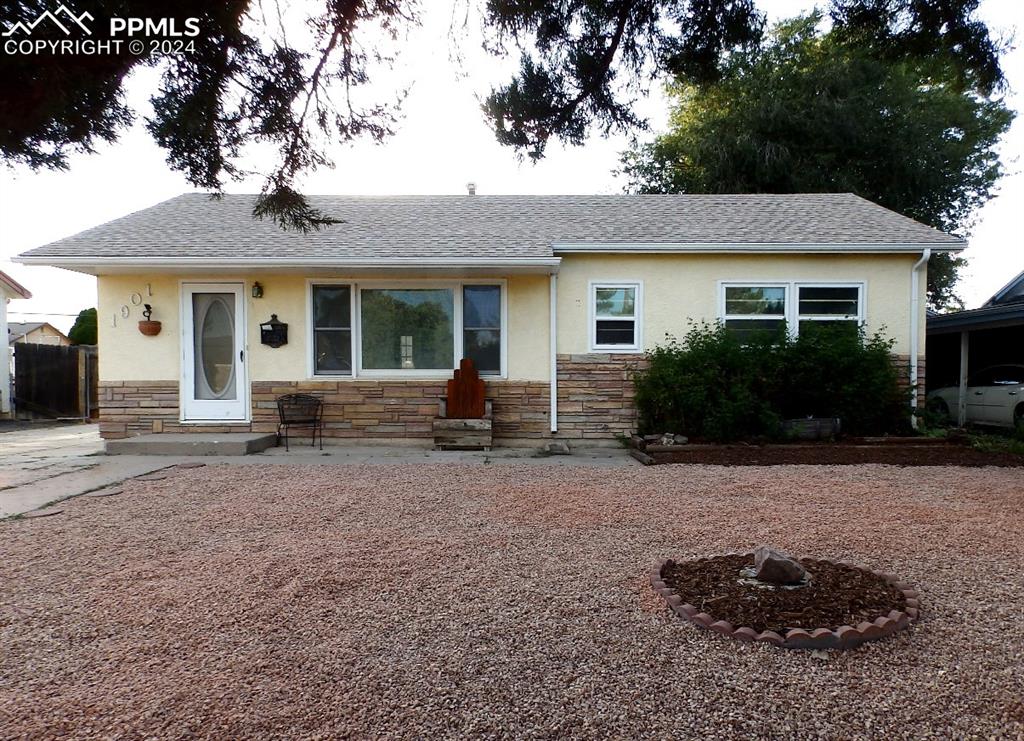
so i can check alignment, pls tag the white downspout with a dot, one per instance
(553, 350)
(915, 328)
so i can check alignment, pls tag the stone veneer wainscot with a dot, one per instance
(595, 402)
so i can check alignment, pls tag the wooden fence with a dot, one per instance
(56, 381)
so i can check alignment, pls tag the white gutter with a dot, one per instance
(741, 247)
(553, 349)
(915, 328)
(302, 262)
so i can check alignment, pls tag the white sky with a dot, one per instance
(443, 143)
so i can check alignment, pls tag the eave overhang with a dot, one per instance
(304, 265)
(672, 248)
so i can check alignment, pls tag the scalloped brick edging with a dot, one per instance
(844, 637)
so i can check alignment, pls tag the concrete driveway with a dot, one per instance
(48, 463)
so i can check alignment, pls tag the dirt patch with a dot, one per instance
(837, 595)
(837, 454)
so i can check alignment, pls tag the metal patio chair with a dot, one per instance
(300, 410)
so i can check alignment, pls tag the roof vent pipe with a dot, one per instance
(471, 188)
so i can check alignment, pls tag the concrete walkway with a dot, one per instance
(42, 466)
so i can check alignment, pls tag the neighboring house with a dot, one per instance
(963, 343)
(37, 333)
(9, 289)
(556, 298)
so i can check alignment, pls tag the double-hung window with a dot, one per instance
(615, 312)
(406, 328)
(833, 308)
(759, 310)
(332, 330)
(481, 327)
(755, 311)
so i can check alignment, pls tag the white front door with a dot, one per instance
(214, 382)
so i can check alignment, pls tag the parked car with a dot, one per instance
(995, 396)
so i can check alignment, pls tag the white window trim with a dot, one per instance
(792, 307)
(357, 356)
(638, 315)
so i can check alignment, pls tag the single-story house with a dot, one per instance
(36, 333)
(556, 299)
(963, 343)
(9, 289)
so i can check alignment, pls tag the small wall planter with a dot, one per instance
(149, 327)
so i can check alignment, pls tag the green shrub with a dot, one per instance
(709, 385)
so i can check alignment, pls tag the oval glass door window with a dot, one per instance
(214, 337)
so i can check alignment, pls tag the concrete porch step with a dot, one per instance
(193, 443)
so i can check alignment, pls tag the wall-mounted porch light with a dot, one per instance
(257, 290)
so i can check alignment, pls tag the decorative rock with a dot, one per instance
(657, 584)
(667, 439)
(899, 617)
(776, 568)
(745, 634)
(673, 599)
(886, 624)
(685, 610)
(913, 613)
(652, 438)
(722, 626)
(770, 636)
(702, 619)
(870, 631)
(681, 440)
(824, 638)
(849, 636)
(637, 442)
(799, 638)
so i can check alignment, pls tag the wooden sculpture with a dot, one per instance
(466, 393)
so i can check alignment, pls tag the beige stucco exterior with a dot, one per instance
(129, 355)
(677, 290)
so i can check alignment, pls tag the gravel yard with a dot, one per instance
(423, 600)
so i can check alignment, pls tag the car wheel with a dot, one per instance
(939, 408)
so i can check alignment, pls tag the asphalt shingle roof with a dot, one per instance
(20, 329)
(479, 226)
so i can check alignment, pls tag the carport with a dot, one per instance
(965, 342)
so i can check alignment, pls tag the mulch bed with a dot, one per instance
(843, 454)
(837, 595)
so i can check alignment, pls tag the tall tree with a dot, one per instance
(809, 111)
(299, 78)
(85, 328)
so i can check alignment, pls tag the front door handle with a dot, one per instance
(1013, 393)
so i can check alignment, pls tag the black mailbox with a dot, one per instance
(274, 333)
